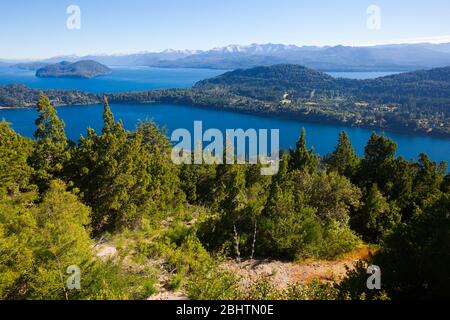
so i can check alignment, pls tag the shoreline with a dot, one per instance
(292, 117)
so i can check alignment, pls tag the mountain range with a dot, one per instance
(400, 57)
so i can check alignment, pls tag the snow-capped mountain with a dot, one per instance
(337, 58)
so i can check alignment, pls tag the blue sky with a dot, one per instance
(37, 29)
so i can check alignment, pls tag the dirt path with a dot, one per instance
(285, 273)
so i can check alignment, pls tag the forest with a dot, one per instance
(60, 200)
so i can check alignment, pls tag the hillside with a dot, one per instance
(82, 69)
(20, 96)
(116, 207)
(269, 83)
(417, 101)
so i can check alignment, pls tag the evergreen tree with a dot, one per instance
(428, 180)
(14, 152)
(415, 258)
(62, 241)
(109, 123)
(378, 162)
(39, 242)
(125, 177)
(301, 157)
(344, 159)
(376, 216)
(50, 152)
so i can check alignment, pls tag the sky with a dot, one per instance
(31, 29)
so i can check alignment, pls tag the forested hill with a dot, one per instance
(413, 102)
(20, 96)
(85, 69)
(262, 82)
(269, 83)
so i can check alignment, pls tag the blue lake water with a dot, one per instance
(322, 137)
(78, 118)
(122, 79)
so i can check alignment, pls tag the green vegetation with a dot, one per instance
(20, 96)
(60, 201)
(85, 69)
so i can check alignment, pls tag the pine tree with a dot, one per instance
(38, 242)
(51, 149)
(376, 216)
(344, 159)
(429, 179)
(14, 152)
(301, 157)
(378, 163)
(109, 123)
(62, 241)
(125, 177)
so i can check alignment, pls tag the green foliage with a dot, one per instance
(301, 157)
(51, 150)
(354, 284)
(15, 172)
(376, 217)
(315, 290)
(109, 280)
(302, 215)
(415, 258)
(124, 176)
(38, 242)
(17, 236)
(377, 164)
(212, 282)
(123, 184)
(344, 159)
(49, 237)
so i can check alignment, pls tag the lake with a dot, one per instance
(122, 79)
(78, 118)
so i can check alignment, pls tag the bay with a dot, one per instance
(78, 118)
(122, 79)
(322, 137)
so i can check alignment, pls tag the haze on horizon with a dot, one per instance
(32, 30)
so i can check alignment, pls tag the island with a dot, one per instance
(85, 69)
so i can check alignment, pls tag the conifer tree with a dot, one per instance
(14, 152)
(301, 157)
(51, 150)
(109, 123)
(125, 177)
(378, 163)
(376, 216)
(344, 159)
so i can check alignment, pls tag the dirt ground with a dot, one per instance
(285, 273)
(281, 273)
